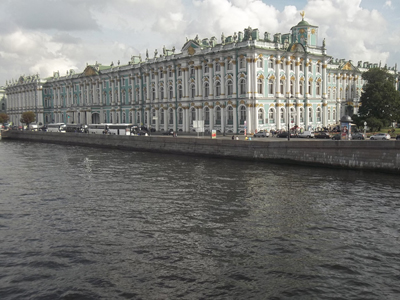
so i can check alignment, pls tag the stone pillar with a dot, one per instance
(222, 118)
(249, 79)
(324, 81)
(211, 82)
(235, 118)
(277, 76)
(211, 125)
(222, 64)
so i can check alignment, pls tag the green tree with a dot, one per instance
(380, 99)
(28, 117)
(4, 118)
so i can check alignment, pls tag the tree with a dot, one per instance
(28, 117)
(380, 99)
(4, 118)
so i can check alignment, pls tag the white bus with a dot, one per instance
(97, 128)
(119, 129)
(108, 128)
(56, 127)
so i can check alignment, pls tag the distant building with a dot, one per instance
(3, 102)
(246, 81)
(24, 94)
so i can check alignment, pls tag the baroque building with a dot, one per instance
(246, 82)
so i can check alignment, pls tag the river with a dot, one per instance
(87, 223)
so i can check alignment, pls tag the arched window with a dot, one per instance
(271, 116)
(111, 117)
(123, 118)
(282, 90)
(282, 115)
(270, 87)
(193, 114)
(260, 116)
(171, 92)
(218, 116)
(270, 63)
(192, 71)
(230, 88)
(292, 112)
(206, 115)
(153, 94)
(206, 90)
(241, 63)
(310, 115)
(138, 117)
(180, 92)
(192, 91)
(292, 87)
(260, 86)
(242, 85)
(334, 115)
(229, 65)
(309, 88)
(318, 88)
(302, 88)
(230, 115)
(153, 114)
(180, 116)
(161, 93)
(329, 114)
(242, 115)
(162, 116)
(260, 63)
(318, 114)
(217, 89)
(217, 67)
(171, 116)
(117, 117)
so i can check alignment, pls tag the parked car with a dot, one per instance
(380, 136)
(284, 134)
(169, 132)
(33, 127)
(398, 137)
(261, 133)
(306, 134)
(322, 135)
(336, 137)
(358, 136)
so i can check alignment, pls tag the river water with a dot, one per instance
(87, 223)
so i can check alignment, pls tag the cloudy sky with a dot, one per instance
(42, 36)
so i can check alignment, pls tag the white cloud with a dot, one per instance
(49, 35)
(388, 4)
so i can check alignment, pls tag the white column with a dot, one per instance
(277, 77)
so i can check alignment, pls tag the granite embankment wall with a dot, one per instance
(366, 155)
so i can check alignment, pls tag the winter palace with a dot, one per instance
(247, 81)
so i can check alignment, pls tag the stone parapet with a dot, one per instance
(363, 155)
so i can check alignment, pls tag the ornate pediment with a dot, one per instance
(191, 47)
(90, 71)
(297, 47)
(348, 66)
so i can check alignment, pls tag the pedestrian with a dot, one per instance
(233, 137)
